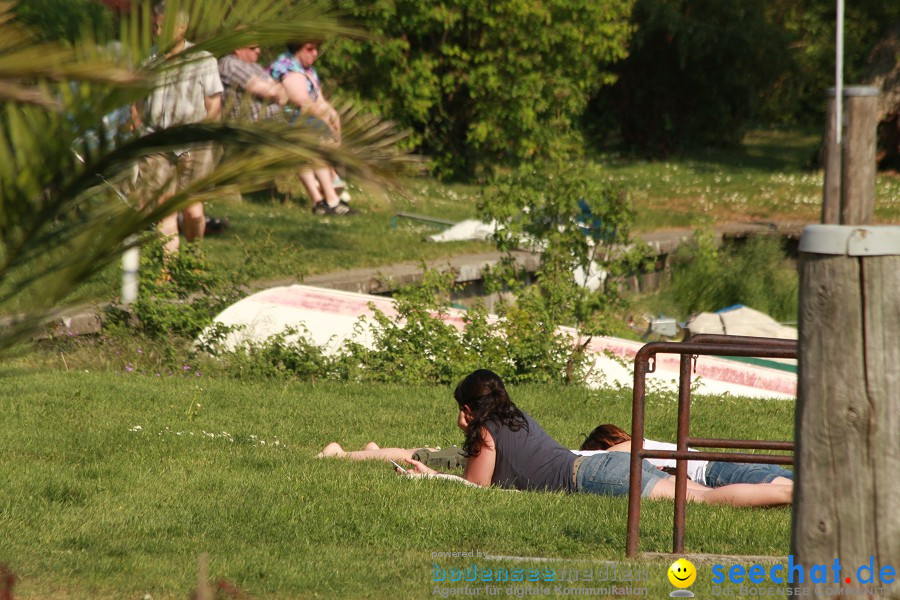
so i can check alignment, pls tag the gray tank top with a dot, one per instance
(529, 459)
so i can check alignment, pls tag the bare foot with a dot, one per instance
(332, 450)
(371, 446)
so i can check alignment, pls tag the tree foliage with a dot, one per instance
(66, 19)
(700, 72)
(480, 82)
(695, 71)
(809, 28)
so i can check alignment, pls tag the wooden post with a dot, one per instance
(831, 190)
(847, 430)
(858, 156)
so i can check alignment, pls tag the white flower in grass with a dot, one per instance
(136, 428)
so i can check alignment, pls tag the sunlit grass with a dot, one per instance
(115, 482)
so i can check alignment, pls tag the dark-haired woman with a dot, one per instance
(507, 448)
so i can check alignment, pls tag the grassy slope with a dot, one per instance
(92, 509)
(765, 179)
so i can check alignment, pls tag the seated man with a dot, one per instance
(249, 91)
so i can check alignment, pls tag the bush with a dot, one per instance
(66, 19)
(707, 278)
(480, 82)
(582, 227)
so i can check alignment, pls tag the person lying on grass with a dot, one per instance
(507, 448)
(713, 474)
(604, 438)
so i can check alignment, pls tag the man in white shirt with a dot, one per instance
(189, 93)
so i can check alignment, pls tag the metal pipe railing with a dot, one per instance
(709, 345)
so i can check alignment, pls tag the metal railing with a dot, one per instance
(706, 345)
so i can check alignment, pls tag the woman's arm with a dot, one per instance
(296, 86)
(480, 469)
(297, 89)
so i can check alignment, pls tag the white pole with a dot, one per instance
(131, 259)
(839, 73)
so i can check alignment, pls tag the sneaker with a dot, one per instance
(338, 184)
(322, 208)
(216, 226)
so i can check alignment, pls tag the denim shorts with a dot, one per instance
(607, 474)
(719, 473)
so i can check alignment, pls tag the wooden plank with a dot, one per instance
(858, 162)
(834, 493)
(881, 290)
(831, 190)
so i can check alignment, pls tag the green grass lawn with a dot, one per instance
(113, 484)
(767, 178)
(282, 239)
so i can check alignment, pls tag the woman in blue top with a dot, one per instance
(294, 70)
(507, 448)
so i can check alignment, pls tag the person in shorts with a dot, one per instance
(190, 92)
(714, 473)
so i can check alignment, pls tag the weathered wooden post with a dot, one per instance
(849, 189)
(831, 190)
(858, 155)
(847, 428)
(847, 432)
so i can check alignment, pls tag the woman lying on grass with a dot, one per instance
(711, 473)
(507, 448)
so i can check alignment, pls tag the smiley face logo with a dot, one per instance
(682, 573)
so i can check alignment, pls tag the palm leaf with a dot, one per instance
(59, 221)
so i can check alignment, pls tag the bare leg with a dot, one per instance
(168, 228)
(325, 176)
(739, 494)
(194, 224)
(332, 450)
(386, 454)
(371, 446)
(782, 481)
(308, 177)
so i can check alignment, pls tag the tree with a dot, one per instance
(59, 221)
(694, 72)
(65, 19)
(481, 82)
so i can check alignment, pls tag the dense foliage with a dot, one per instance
(66, 19)
(708, 278)
(694, 72)
(700, 72)
(481, 82)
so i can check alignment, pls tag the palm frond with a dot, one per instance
(60, 222)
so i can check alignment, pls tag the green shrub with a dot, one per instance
(179, 294)
(66, 19)
(708, 278)
(580, 224)
(480, 82)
